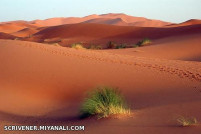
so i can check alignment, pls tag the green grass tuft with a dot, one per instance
(121, 46)
(186, 121)
(103, 102)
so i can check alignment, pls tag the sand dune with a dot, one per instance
(43, 84)
(48, 83)
(186, 23)
(63, 20)
(6, 36)
(149, 23)
(101, 33)
(186, 47)
(114, 19)
(10, 28)
(14, 26)
(25, 32)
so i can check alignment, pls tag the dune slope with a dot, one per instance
(186, 47)
(101, 33)
(44, 84)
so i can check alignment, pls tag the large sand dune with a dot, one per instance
(14, 26)
(102, 34)
(186, 23)
(6, 36)
(44, 85)
(114, 19)
(186, 47)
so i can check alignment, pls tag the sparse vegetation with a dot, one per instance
(16, 38)
(187, 121)
(111, 45)
(121, 46)
(103, 102)
(143, 42)
(77, 46)
(135, 46)
(95, 47)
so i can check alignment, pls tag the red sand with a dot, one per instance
(45, 85)
(186, 47)
(49, 83)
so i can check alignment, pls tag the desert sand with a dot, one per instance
(44, 84)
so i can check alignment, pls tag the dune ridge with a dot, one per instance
(111, 18)
(129, 60)
(49, 83)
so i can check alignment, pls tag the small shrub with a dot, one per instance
(121, 46)
(77, 46)
(143, 42)
(186, 121)
(135, 46)
(111, 45)
(103, 102)
(99, 47)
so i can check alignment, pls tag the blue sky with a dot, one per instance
(167, 10)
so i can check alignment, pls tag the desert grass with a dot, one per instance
(103, 102)
(95, 47)
(187, 121)
(121, 46)
(143, 42)
(77, 46)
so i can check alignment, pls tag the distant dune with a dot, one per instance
(14, 26)
(97, 29)
(25, 32)
(114, 19)
(6, 36)
(187, 23)
(101, 33)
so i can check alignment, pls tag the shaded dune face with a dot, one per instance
(6, 36)
(102, 34)
(25, 32)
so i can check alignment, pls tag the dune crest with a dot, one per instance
(111, 18)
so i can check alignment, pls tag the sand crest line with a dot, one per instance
(176, 71)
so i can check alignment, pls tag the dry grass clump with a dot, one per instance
(104, 102)
(77, 46)
(143, 42)
(187, 121)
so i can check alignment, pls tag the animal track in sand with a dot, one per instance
(115, 58)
